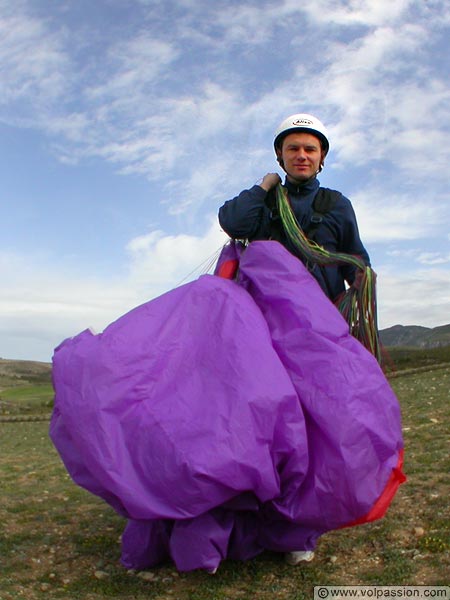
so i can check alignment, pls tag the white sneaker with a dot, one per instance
(294, 558)
(212, 571)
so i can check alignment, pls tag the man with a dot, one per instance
(301, 145)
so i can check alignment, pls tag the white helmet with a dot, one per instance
(304, 123)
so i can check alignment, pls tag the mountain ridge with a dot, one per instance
(416, 336)
(408, 336)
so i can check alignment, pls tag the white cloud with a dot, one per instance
(394, 216)
(190, 97)
(255, 23)
(433, 258)
(34, 64)
(421, 297)
(134, 65)
(386, 110)
(412, 255)
(135, 114)
(158, 261)
(402, 253)
(40, 306)
(352, 12)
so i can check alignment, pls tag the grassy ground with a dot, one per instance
(399, 359)
(26, 400)
(25, 388)
(58, 541)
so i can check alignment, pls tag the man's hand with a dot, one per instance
(269, 181)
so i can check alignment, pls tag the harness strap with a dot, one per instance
(324, 201)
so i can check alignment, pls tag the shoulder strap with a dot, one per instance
(324, 201)
(275, 224)
(271, 199)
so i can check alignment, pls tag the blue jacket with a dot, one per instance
(247, 216)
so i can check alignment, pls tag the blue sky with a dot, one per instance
(125, 124)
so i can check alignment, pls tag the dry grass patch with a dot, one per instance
(58, 541)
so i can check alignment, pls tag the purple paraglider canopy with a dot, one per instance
(229, 416)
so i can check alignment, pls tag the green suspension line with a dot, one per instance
(358, 303)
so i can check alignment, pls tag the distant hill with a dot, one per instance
(414, 336)
(23, 372)
(28, 372)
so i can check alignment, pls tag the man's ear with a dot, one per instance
(279, 157)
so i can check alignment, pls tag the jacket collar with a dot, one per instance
(302, 189)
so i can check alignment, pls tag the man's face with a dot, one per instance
(302, 156)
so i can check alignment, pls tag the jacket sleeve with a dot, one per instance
(351, 242)
(244, 216)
